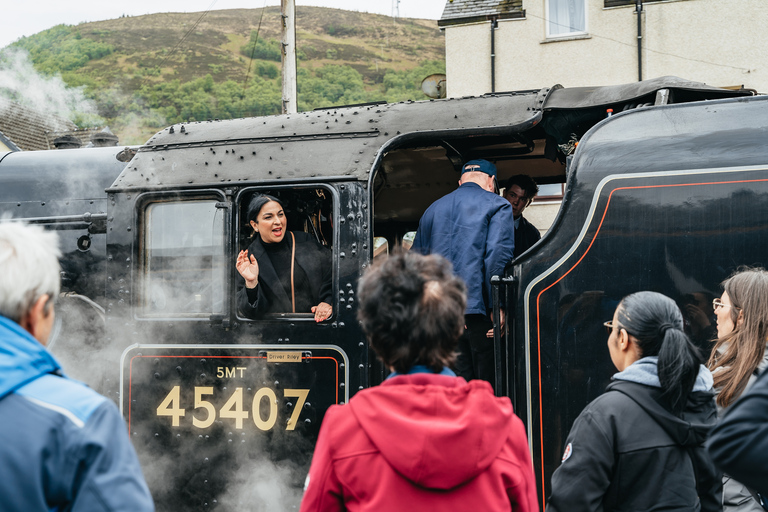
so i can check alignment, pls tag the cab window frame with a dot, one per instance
(240, 207)
(142, 206)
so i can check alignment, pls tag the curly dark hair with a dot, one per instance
(412, 311)
(525, 182)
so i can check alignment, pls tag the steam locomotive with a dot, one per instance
(669, 194)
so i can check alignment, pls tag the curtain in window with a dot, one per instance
(566, 16)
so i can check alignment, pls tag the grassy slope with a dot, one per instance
(370, 43)
(154, 49)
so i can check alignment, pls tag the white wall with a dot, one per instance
(718, 42)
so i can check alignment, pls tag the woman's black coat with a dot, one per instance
(627, 452)
(314, 260)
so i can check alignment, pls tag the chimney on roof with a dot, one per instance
(104, 139)
(67, 142)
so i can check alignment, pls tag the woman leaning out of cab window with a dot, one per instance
(283, 271)
(739, 355)
(639, 446)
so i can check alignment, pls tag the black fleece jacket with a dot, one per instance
(739, 444)
(628, 452)
(270, 296)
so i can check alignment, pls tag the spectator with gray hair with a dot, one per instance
(64, 446)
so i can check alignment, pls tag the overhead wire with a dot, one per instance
(253, 50)
(646, 48)
(184, 37)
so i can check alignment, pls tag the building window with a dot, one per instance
(566, 17)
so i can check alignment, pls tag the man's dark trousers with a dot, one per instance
(475, 359)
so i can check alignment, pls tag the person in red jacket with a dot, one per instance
(424, 439)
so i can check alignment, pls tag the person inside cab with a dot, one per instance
(520, 190)
(283, 271)
(473, 228)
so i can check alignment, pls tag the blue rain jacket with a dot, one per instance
(474, 230)
(63, 446)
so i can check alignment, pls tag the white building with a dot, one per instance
(539, 43)
(513, 45)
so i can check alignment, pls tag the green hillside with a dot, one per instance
(146, 72)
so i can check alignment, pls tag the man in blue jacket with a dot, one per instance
(473, 228)
(64, 446)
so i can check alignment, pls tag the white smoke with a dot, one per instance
(21, 83)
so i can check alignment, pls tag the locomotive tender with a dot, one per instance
(670, 194)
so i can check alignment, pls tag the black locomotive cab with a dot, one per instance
(668, 194)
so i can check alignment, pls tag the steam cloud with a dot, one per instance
(219, 468)
(21, 83)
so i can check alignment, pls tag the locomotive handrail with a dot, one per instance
(501, 356)
(94, 222)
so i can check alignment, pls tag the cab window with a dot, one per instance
(289, 233)
(183, 264)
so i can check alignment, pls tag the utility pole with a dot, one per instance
(395, 8)
(639, 13)
(288, 12)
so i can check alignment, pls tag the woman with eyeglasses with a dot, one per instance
(639, 446)
(739, 356)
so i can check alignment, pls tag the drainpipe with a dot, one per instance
(639, 12)
(494, 26)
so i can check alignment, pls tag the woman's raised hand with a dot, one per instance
(322, 311)
(248, 268)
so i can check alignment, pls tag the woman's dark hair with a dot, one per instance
(657, 324)
(412, 311)
(257, 203)
(743, 348)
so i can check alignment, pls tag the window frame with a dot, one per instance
(238, 207)
(566, 35)
(143, 202)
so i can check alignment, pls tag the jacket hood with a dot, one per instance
(22, 357)
(692, 427)
(437, 431)
(646, 371)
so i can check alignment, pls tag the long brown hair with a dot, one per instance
(744, 347)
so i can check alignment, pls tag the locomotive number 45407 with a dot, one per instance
(233, 407)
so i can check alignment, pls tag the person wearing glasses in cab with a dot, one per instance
(520, 190)
(739, 356)
(640, 445)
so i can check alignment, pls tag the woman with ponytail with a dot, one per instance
(739, 355)
(639, 446)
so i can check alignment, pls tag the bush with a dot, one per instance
(60, 49)
(267, 70)
(260, 49)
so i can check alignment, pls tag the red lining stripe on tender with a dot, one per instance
(538, 298)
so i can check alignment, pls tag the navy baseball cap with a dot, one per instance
(480, 166)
